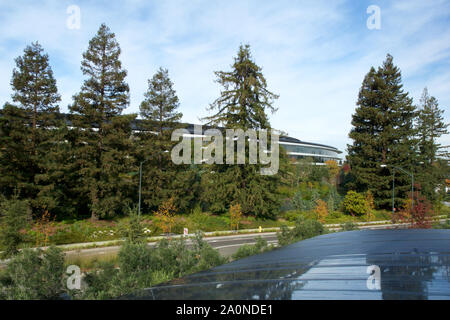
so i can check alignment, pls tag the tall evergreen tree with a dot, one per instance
(243, 104)
(103, 136)
(383, 133)
(55, 180)
(245, 99)
(16, 161)
(430, 127)
(35, 88)
(161, 102)
(28, 129)
(162, 179)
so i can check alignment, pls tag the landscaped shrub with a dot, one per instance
(441, 225)
(206, 256)
(34, 274)
(287, 205)
(165, 214)
(303, 229)
(132, 229)
(235, 216)
(336, 215)
(321, 210)
(306, 197)
(15, 216)
(301, 203)
(370, 205)
(141, 266)
(349, 226)
(333, 199)
(100, 284)
(291, 216)
(354, 203)
(249, 250)
(419, 216)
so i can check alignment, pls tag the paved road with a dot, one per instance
(227, 245)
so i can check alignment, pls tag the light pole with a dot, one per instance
(393, 183)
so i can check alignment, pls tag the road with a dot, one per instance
(227, 245)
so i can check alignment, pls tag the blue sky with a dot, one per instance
(314, 54)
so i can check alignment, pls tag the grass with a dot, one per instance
(338, 217)
(87, 263)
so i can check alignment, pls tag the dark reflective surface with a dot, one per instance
(413, 264)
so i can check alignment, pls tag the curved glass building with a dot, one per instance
(297, 149)
(319, 153)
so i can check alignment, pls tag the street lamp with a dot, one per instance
(393, 183)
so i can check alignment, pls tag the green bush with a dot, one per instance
(99, 284)
(34, 274)
(249, 250)
(336, 215)
(291, 216)
(354, 203)
(349, 226)
(15, 217)
(303, 229)
(132, 229)
(141, 266)
(333, 199)
(442, 225)
(300, 203)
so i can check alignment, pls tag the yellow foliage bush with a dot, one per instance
(235, 216)
(321, 210)
(166, 215)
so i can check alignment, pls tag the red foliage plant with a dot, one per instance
(346, 168)
(420, 216)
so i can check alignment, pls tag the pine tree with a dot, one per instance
(430, 126)
(243, 104)
(383, 133)
(15, 154)
(161, 102)
(28, 130)
(245, 99)
(54, 180)
(162, 180)
(103, 136)
(35, 88)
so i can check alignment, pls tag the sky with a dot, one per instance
(314, 54)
